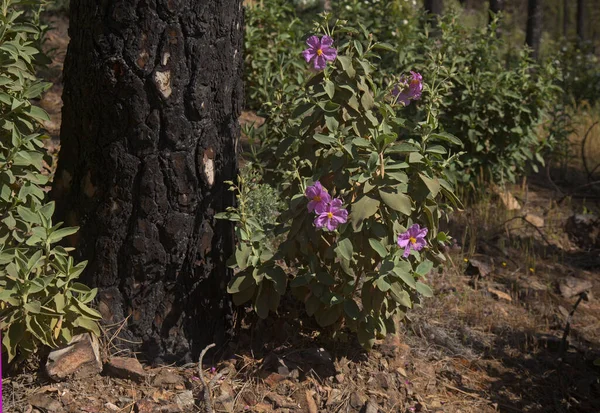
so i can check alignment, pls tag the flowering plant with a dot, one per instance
(365, 189)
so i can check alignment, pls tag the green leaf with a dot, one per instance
(424, 289)
(446, 137)
(244, 296)
(432, 184)
(325, 139)
(345, 249)
(399, 295)
(424, 268)
(329, 316)
(405, 276)
(240, 282)
(61, 233)
(367, 100)
(351, 309)
(378, 247)
(363, 209)
(88, 324)
(329, 88)
(279, 278)
(346, 62)
(398, 201)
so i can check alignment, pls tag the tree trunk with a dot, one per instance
(496, 6)
(534, 26)
(566, 18)
(152, 94)
(434, 6)
(580, 21)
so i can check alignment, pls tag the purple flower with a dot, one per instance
(319, 198)
(319, 51)
(406, 90)
(332, 216)
(413, 239)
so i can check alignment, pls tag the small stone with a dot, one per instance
(125, 368)
(112, 407)
(79, 359)
(45, 402)
(508, 199)
(274, 379)
(357, 400)
(310, 403)
(478, 268)
(535, 220)
(499, 294)
(165, 378)
(371, 407)
(340, 377)
(184, 399)
(571, 286)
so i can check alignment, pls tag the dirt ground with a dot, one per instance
(491, 340)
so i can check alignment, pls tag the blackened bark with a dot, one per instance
(580, 21)
(534, 26)
(434, 6)
(152, 94)
(566, 18)
(496, 6)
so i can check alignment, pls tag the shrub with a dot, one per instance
(349, 142)
(41, 302)
(494, 107)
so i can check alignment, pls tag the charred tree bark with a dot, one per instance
(566, 18)
(152, 94)
(434, 6)
(580, 22)
(534, 26)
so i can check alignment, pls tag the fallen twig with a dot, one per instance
(207, 399)
(563, 344)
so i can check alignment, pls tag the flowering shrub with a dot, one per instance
(494, 108)
(41, 302)
(365, 188)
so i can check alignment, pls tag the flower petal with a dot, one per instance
(406, 251)
(309, 54)
(329, 52)
(320, 220)
(320, 62)
(326, 41)
(313, 42)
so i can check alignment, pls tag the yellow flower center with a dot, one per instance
(319, 52)
(317, 198)
(412, 240)
(329, 215)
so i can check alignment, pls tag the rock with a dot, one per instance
(112, 407)
(172, 408)
(165, 378)
(273, 379)
(508, 199)
(185, 399)
(125, 368)
(478, 268)
(571, 286)
(499, 294)
(535, 220)
(371, 407)
(79, 359)
(340, 378)
(584, 230)
(45, 402)
(357, 400)
(282, 367)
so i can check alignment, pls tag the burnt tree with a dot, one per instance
(580, 22)
(434, 6)
(533, 34)
(152, 94)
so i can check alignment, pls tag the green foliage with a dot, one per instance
(580, 75)
(40, 301)
(493, 106)
(273, 43)
(387, 163)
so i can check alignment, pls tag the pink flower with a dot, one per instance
(332, 216)
(413, 239)
(319, 51)
(318, 196)
(406, 90)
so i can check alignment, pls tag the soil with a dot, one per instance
(491, 340)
